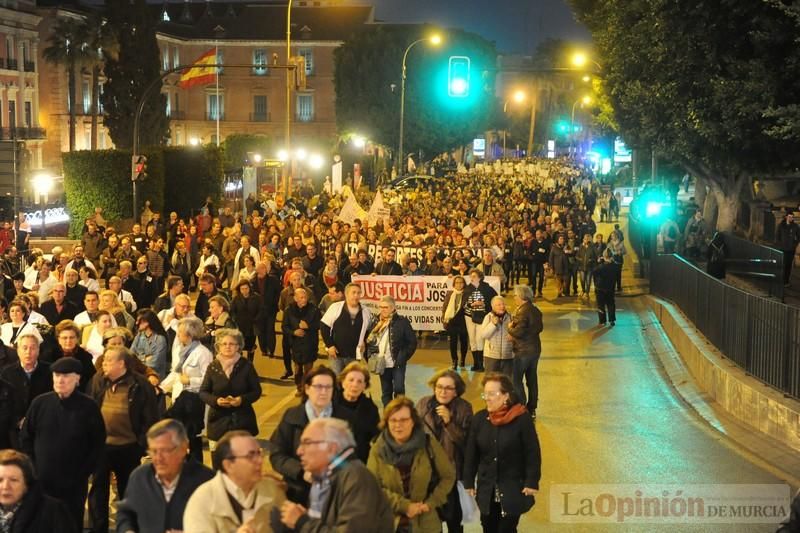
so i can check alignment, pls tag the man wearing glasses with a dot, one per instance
(239, 498)
(345, 496)
(158, 491)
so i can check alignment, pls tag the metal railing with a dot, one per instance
(760, 335)
(261, 117)
(11, 64)
(29, 66)
(22, 133)
(762, 265)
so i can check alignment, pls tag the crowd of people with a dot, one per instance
(141, 344)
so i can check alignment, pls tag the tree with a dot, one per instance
(696, 79)
(367, 71)
(67, 47)
(101, 41)
(128, 74)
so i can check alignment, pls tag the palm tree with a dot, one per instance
(101, 40)
(66, 46)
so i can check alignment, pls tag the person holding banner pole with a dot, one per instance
(344, 328)
(478, 296)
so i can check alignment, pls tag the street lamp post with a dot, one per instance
(434, 39)
(586, 100)
(519, 97)
(288, 133)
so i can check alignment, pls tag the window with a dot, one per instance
(28, 114)
(178, 137)
(305, 108)
(176, 57)
(259, 62)
(26, 51)
(101, 141)
(168, 105)
(220, 59)
(215, 107)
(87, 97)
(259, 108)
(165, 58)
(308, 55)
(87, 138)
(10, 51)
(12, 114)
(100, 99)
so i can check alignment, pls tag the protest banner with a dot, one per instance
(418, 298)
(373, 250)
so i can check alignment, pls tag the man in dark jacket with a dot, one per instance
(141, 284)
(64, 435)
(128, 404)
(787, 236)
(344, 328)
(29, 377)
(539, 252)
(301, 325)
(353, 500)
(268, 289)
(58, 308)
(166, 300)
(389, 266)
(605, 278)
(145, 508)
(525, 328)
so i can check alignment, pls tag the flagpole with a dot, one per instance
(216, 70)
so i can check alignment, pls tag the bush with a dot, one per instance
(192, 174)
(103, 179)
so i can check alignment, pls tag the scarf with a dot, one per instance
(7, 517)
(377, 330)
(327, 412)
(506, 414)
(398, 454)
(452, 307)
(185, 354)
(227, 366)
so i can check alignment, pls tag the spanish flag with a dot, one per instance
(200, 73)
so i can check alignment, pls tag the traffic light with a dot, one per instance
(562, 127)
(138, 168)
(458, 77)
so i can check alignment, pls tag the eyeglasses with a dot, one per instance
(307, 443)
(321, 388)
(252, 455)
(399, 421)
(491, 394)
(444, 388)
(159, 452)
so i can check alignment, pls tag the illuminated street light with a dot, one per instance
(519, 96)
(301, 154)
(435, 40)
(194, 141)
(586, 100)
(43, 184)
(359, 141)
(257, 158)
(283, 155)
(315, 161)
(582, 59)
(586, 79)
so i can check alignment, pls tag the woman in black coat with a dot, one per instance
(503, 451)
(301, 326)
(230, 387)
(37, 513)
(68, 337)
(245, 311)
(454, 321)
(362, 413)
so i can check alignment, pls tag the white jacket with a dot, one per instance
(497, 344)
(195, 367)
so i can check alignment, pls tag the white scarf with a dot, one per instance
(451, 310)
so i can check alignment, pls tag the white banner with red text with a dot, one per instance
(418, 298)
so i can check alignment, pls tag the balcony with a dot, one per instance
(304, 117)
(213, 116)
(22, 133)
(176, 115)
(29, 66)
(261, 117)
(11, 64)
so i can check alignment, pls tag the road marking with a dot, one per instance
(275, 408)
(574, 320)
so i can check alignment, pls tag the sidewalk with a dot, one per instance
(631, 285)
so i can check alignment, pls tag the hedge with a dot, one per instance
(178, 179)
(102, 178)
(192, 174)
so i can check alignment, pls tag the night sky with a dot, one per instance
(515, 25)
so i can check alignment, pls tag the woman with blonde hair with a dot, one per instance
(109, 301)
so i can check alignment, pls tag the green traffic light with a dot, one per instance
(652, 209)
(458, 87)
(458, 71)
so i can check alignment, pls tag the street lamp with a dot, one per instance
(257, 158)
(435, 40)
(359, 141)
(301, 154)
(194, 141)
(586, 100)
(42, 184)
(283, 155)
(581, 59)
(315, 161)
